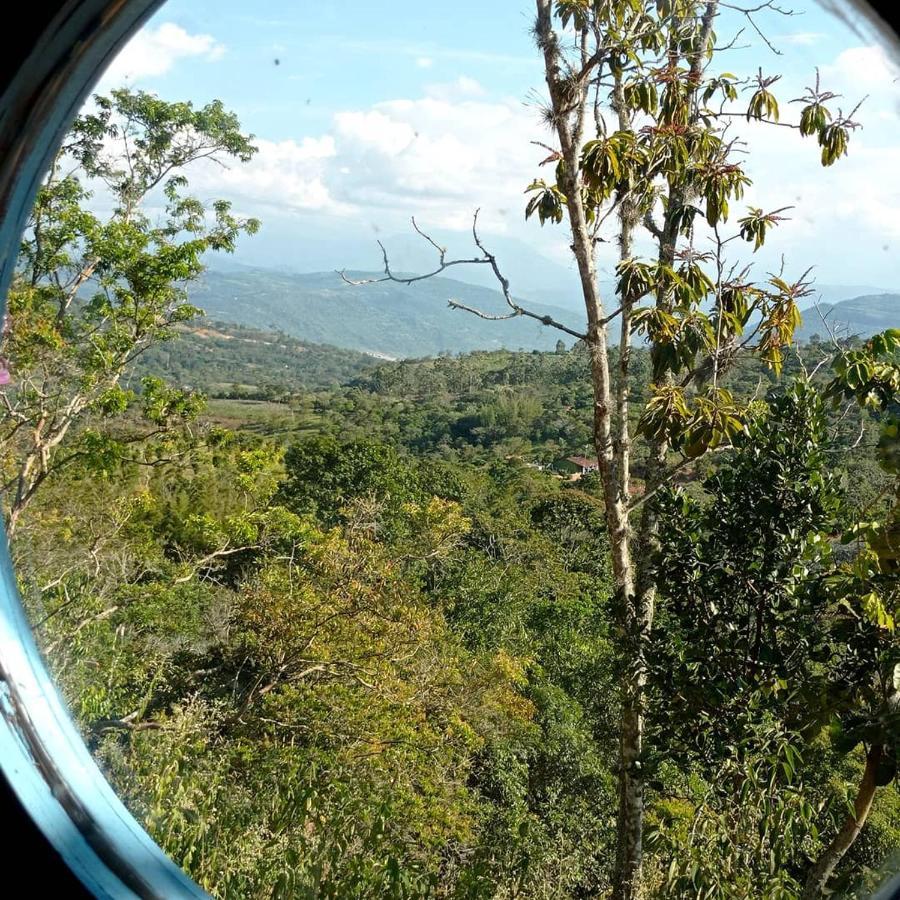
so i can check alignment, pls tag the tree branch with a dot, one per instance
(390, 276)
(667, 477)
(486, 258)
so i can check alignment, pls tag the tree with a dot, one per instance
(862, 682)
(732, 567)
(641, 138)
(739, 653)
(92, 292)
(325, 476)
(765, 623)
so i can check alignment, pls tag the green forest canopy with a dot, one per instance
(340, 632)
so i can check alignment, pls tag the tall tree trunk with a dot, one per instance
(844, 839)
(629, 850)
(632, 572)
(639, 613)
(568, 101)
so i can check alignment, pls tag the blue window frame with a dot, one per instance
(42, 755)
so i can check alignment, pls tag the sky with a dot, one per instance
(366, 114)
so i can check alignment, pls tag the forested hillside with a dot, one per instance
(398, 320)
(223, 359)
(456, 712)
(535, 407)
(863, 316)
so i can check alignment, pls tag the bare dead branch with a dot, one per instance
(486, 258)
(389, 275)
(455, 304)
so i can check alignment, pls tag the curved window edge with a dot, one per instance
(42, 755)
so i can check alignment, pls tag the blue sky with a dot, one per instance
(344, 55)
(365, 118)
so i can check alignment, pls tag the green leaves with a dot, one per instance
(718, 182)
(834, 140)
(114, 401)
(642, 95)
(716, 420)
(736, 302)
(814, 119)
(833, 135)
(683, 288)
(762, 106)
(725, 84)
(635, 280)
(612, 164)
(780, 318)
(748, 821)
(163, 404)
(885, 343)
(548, 202)
(693, 425)
(874, 610)
(575, 12)
(752, 643)
(693, 284)
(756, 223)
(92, 293)
(162, 136)
(871, 374)
(666, 414)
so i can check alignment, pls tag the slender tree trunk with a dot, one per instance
(568, 103)
(844, 839)
(629, 850)
(640, 612)
(631, 555)
(569, 100)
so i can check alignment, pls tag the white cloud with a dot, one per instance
(863, 68)
(376, 132)
(287, 174)
(841, 214)
(424, 62)
(859, 200)
(436, 157)
(154, 51)
(455, 148)
(455, 90)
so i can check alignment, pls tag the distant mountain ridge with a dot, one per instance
(861, 316)
(384, 318)
(392, 320)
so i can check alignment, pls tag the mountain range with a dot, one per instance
(393, 320)
(862, 316)
(382, 318)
